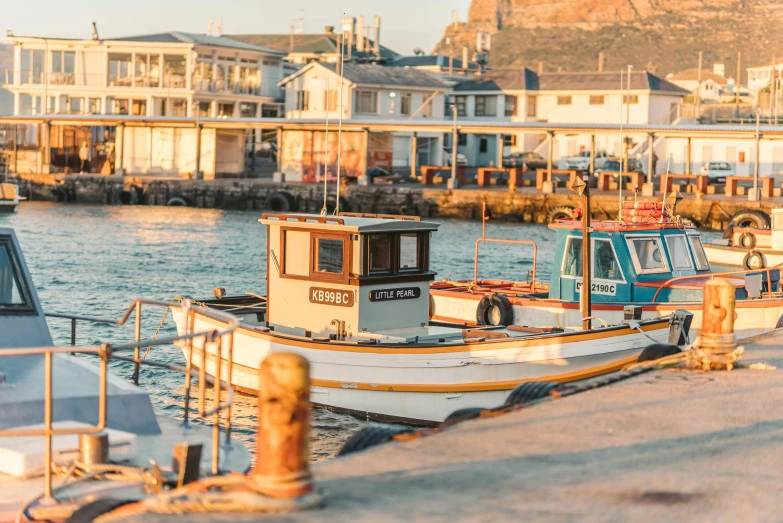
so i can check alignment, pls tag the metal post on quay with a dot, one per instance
(453, 183)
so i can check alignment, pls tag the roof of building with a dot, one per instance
(693, 75)
(371, 74)
(193, 38)
(501, 80)
(431, 60)
(525, 79)
(326, 43)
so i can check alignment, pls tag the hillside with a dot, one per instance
(662, 36)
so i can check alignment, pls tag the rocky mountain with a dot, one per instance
(661, 36)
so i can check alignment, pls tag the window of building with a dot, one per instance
(120, 106)
(367, 102)
(32, 66)
(405, 103)
(331, 100)
(509, 140)
(13, 294)
(563, 100)
(511, 105)
(698, 253)
(147, 70)
(329, 255)
(248, 110)
(483, 146)
(75, 105)
(572, 261)
(139, 107)
(119, 70)
(596, 99)
(678, 252)
(174, 71)
(605, 265)
(94, 106)
(302, 100)
(380, 253)
(63, 68)
(179, 107)
(462, 139)
(531, 105)
(462, 105)
(203, 109)
(648, 256)
(632, 99)
(226, 110)
(486, 106)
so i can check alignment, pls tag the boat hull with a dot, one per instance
(423, 384)
(753, 316)
(729, 256)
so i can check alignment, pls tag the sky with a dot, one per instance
(405, 24)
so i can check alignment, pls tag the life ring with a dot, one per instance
(754, 260)
(177, 201)
(494, 309)
(747, 240)
(280, 201)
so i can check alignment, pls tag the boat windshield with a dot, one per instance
(572, 261)
(12, 296)
(605, 261)
(699, 255)
(648, 255)
(678, 252)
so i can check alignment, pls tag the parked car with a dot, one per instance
(717, 171)
(581, 162)
(530, 161)
(615, 165)
(461, 159)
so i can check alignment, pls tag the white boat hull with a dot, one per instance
(424, 384)
(753, 316)
(728, 256)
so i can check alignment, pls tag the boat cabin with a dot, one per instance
(630, 262)
(348, 276)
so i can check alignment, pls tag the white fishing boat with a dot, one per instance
(351, 294)
(9, 197)
(749, 247)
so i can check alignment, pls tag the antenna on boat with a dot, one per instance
(326, 166)
(665, 184)
(340, 122)
(622, 152)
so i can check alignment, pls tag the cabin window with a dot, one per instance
(12, 293)
(605, 266)
(678, 252)
(572, 262)
(648, 255)
(409, 252)
(329, 255)
(698, 254)
(380, 253)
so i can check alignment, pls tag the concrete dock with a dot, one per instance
(675, 445)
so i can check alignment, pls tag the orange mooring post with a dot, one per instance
(282, 450)
(717, 326)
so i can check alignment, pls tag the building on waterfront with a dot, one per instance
(369, 92)
(438, 64)
(710, 86)
(165, 74)
(521, 95)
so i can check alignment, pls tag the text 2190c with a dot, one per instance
(323, 296)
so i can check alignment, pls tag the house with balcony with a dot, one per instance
(521, 95)
(165, 74)
(365, 92)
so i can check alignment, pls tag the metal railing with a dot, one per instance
(220, 338)
(714, 275)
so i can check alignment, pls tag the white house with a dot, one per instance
(713, 83)
(165, 74)
(521, 95)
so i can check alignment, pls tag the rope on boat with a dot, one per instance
(470, 286)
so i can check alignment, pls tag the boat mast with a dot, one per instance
(622, 152)
(340, 122)
(326, 164)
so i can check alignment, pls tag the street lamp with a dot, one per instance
(453, 183)
(754, 196)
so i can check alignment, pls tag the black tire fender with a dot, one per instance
(460, 415)
(657, 351)
(747, 262)
(560, 213)
(751, 218)
(529, 391)
(490, 302)
(779, 324)
(748, 240)
(177, 201)
(369, 437)
(280, 201)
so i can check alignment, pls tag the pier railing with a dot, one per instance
(219, 338)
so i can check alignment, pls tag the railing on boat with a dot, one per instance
(218, 337)
(713, 275)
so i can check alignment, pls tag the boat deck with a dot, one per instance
(671, 445)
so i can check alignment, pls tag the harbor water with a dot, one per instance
(93, 260)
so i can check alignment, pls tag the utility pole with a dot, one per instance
(737, 83)
(698, 89)
(453, 183)
(755, 196)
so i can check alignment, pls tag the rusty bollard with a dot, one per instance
(717, 326)
(282, 451)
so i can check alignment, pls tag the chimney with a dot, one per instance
(465, 58)
(329, 29)
(601, 62)
(377, 36)
(719, 69)
(360, 33)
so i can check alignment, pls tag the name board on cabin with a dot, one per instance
(331, 297)
(406, 293)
